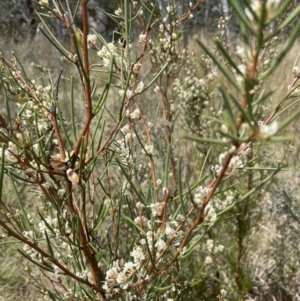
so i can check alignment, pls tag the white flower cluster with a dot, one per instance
(142, 221)
(32, 253)
(49, 223)
(213, 250)
(201, 194)
(211, 247)
(32, 123)
(92, 40)
(271, 7)
(170, 229)
(167, 46)
(222, 26)
(85, 274)
(154, 239)
(222, 204)
(124, 147)
(44, 3)
(193, 92)
(119, 277)
(210, 213)
(112, 55)
(149, 149)
(136, 114)
(10, 153)
(267, 130)
(157, 208)
(235, 163)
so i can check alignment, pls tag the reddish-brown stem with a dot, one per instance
(86, 84)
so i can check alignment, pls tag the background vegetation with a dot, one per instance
(142, 162)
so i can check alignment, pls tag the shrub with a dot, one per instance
(144, 172)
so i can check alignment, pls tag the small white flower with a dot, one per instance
(137, 254)
(160, 244)
(142, 38)
(184, 250)
(28, 234)
(210, 245)
(157, 209)
(61, 192)
(91, 38)
(256, 5)
(139, 87)
(44, 3)
(141, 221)
(170, 8)
(149, 149)
(158, 182)
(125, 129)
(140, 205)
(122, 93)
(242, 68)
(118, 12)
(208, 260)
(210, 213)
(223, 293)
(240, 51)
(170, 232)
(267, 130)
(296, 72)
(13, 148)
(235, 163)
(136, 68)
(219, 248)
(136, 114)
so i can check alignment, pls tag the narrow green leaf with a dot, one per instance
(47, 224)
(20, 65)
(141, 230)
(49, 245)
(72, 109)
(167, 160)
(263, 96)
(1, 171)
(102, 100)
(288, 120)
(156, 76)
(288, 19)
(207, 140)
(233, 137)
(241, 110)
(225, 72)
(25, 221)
(179, 180)
(228, 57)
(228, 112)
(43, 267)
(140, 198)
(286, 108)
(282, 54)
(241, 15)
(52, 39)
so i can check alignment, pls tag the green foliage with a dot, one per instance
(142, 170)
